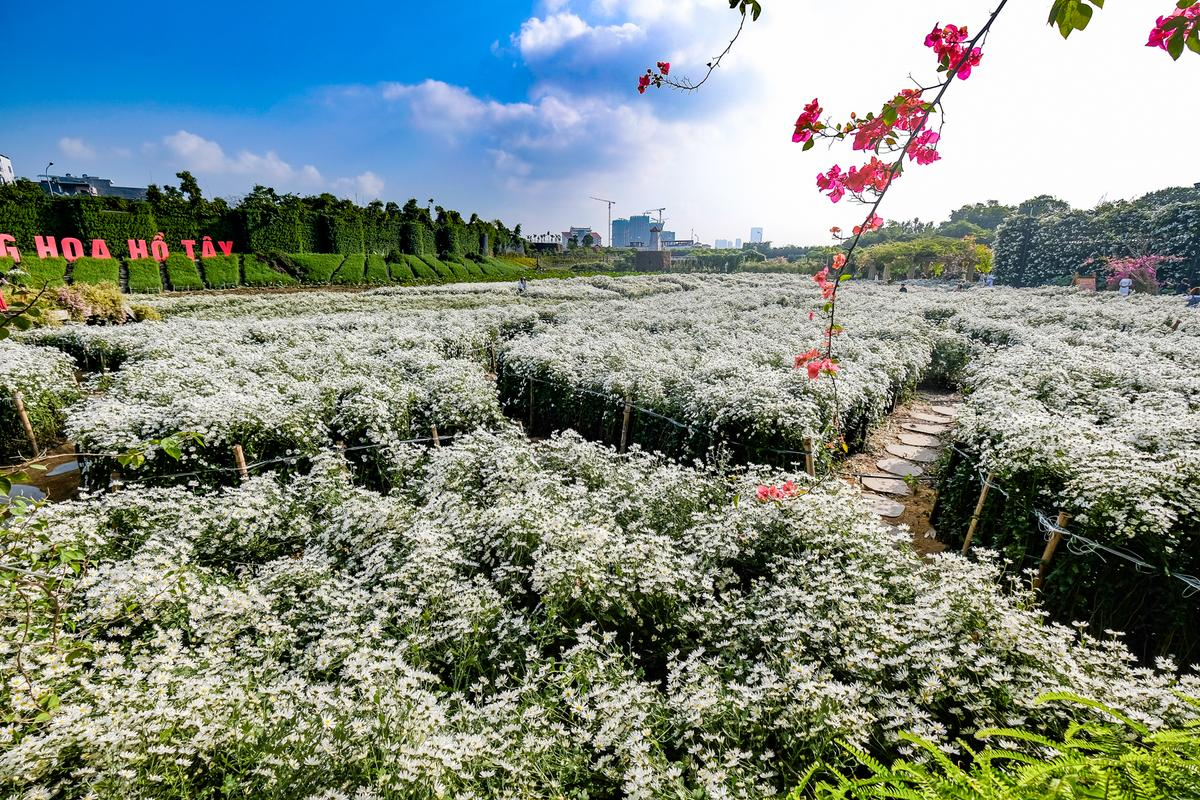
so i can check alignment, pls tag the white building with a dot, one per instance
(722, 244)
(756, 236)
(6, 171)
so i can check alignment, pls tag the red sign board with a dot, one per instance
(71, 249)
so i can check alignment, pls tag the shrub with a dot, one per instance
(377, 270)
(39, 272)
(439, 268)
(94, 302)
(316, 267)
(142, 312)
(145, 276)
(182, 274)
(401, 270)
(96, 270)
(350, 273)
(422, 272)
(259, 272)
(221, 272)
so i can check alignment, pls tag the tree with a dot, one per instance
(1042, 205)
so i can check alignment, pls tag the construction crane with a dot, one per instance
(658, 211)
(610, 205)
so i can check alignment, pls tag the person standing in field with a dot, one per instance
(1193, 297)
(521, 285)
(1126, 286)
(903, 288)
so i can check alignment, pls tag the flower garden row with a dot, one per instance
(180, 273)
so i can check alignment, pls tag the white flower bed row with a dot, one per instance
(516, 621)
(46, 380)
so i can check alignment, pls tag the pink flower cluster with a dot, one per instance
(644, 81)
(873, 224)
(808, 122)
(924, 149)
(816, 364)
(910, 115)
(1176, 26)
(951, 51)
(874, 175)
(784, 491)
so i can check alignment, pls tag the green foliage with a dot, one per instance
(145, 277)
(422, 271)
(182, 274)
(103, 302)
(350, 273)
(315, 267)
(1072, 15)
(259, 272)
(221, 272)
(377, 270)
(114, 220)
(1102, 754)
(401, 271)
(95, 270)
(38, 272)
(938, 256)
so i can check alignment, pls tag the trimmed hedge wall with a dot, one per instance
(422, 272)
(145, 276)
(401, 271)
(315, 267)
(41, 271)
(115, 222)
(260, 273)
(350, 273)
(182, 274)
(377, 270)
(96, 270)
(221, 272)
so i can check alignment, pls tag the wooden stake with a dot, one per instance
(1048, 553)
(240, 459)
(810, 461)
(19, 402)
(437, 442)
(625, 425)
(531, 407)
(1175, 327)
(983, 493)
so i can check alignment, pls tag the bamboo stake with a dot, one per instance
(1048, 553)
(625, 425)
(983, 493)
(239, 458)
(19, 402)
(810, 461)
(1175, 327)
(437, 442)
(531, 408)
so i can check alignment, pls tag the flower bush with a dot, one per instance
(517, 620)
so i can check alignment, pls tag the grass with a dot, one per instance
(316, 267)
(350, 273)
(377, 270)
(182, 274)
(260, 273)
(96, 270)
(221, 272)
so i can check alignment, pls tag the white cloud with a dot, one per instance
(540, 38)
(205, 155)
(311, 174)
(368, 186)
(73, 147)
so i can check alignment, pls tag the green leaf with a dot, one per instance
(1193, 40)
(1175, 46)
(171, 447)
(808, 145)
(3, 332)
(844, 278)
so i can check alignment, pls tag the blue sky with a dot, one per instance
(521, 110)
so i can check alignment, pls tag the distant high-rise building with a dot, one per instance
(737, 244)
(722, 244)
(639, 229)
(756, 236)
(6, 170)
(667, 236)
(620, 233)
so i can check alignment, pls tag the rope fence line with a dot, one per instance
(1056, 531)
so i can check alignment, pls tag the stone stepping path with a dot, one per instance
(919, 439)
(921, 427)
(937, 419)
(888, 486)
(924, 455)
(883, 506)
(945, 411)
(898, 466)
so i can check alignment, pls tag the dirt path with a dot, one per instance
(908, 442)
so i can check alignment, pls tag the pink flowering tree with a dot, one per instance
(1142, 270)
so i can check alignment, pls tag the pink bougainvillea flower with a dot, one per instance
(807, 122)
(833, 182)
(1165, 30)
(804, 358)
(839, 261)
(664, 67)
(924, 150)
(784, 491)
(643, 82)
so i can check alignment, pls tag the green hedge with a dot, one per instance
(145, 277)
(221, 272)
(259, 272)
(439, 268)
(114, 220)
(96, 270)
(316, 267)
(182, 274)
(401, 271)
(377, 270)
(350, 273)
(422, 272)
(41, 272)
